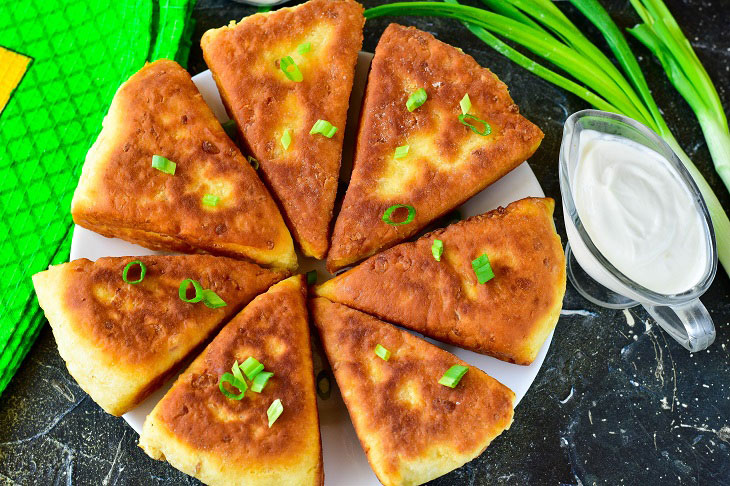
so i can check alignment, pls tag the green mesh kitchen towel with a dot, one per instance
(80, 52)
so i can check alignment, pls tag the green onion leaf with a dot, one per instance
(251, 367)
(183, 291)
(163, 165)
(233, 381)
(212, 300)
(401, 151)
(274, 411)
(286, 139)
(237, 371)
(465, 104)
(210, 200)
(290, 69)
(453, 376)
(383, 353)
(142, 272)
(324, 384)
(323, 127)
(230, 128)
(482, 269)
(311, 277)
(437, 249)
(389, 212)
(484, 132)
(416, 99)
(304, 47)
(260, 380)
(253, 161)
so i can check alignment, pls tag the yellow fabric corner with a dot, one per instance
(12, 69)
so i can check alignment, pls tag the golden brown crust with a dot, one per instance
(447, 163)
(412, 428)
(244, 60)
(159, 111)
(509, 317)
(121, 341)
(223, 441)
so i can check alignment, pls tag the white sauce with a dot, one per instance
(638, 213)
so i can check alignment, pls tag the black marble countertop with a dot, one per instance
(616, 402)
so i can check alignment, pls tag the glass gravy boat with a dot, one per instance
(681, 315)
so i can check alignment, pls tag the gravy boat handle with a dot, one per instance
(689, 324)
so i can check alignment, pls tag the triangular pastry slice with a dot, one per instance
(413, 429)
(275, 114)
(223, 441)
(120, 340)
(425, 158)
(508, 317)
(210, 200)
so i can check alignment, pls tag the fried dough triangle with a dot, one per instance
(245, 61)
(159, 111)
(121, 341)
(508, 317)
(222, 441)
(446, 163)
(412, 428)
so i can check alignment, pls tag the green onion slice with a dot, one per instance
(237, 371)
(290, 69)
(454, 374)
(304, 47)
(274, 411)
(251, 367)
(235, 382)
(324, 385)
(260, 380)
(142, 272)
(263, 9)
(465, 104)
(482, 269)
(212, 300)
(401, 151)
(163, 165)
(383, 353)
(437, 249)
(388, 212)
(323, 127)
(230, 128)
(211, 200)
(286, 139)
(253, 161)
(416, 99)
(487, 128)
(311, 277)
(183, 291)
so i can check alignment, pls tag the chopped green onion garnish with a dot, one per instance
(210, 200)
(290, 69)
(230, 128)
(263, 9)
(251, 367)
(163, 165)
(324, 385)
(142, 272)
(253, 161)
(401, 151)
(183, 291)
(382, 352)
(323, 127)
(232, 380)
(212, 300)
(388, 212)
(437, 249)
(482, 269)
(260, 380)
(465, 104)
(311, 277)
(416, 99)
(237, 371)
(304, 47)
(286, 139)
(452, 377)
(487, 128)
(274, 411)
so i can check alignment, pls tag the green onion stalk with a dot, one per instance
(541, 28)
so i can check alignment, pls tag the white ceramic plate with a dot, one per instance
(344, 460)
